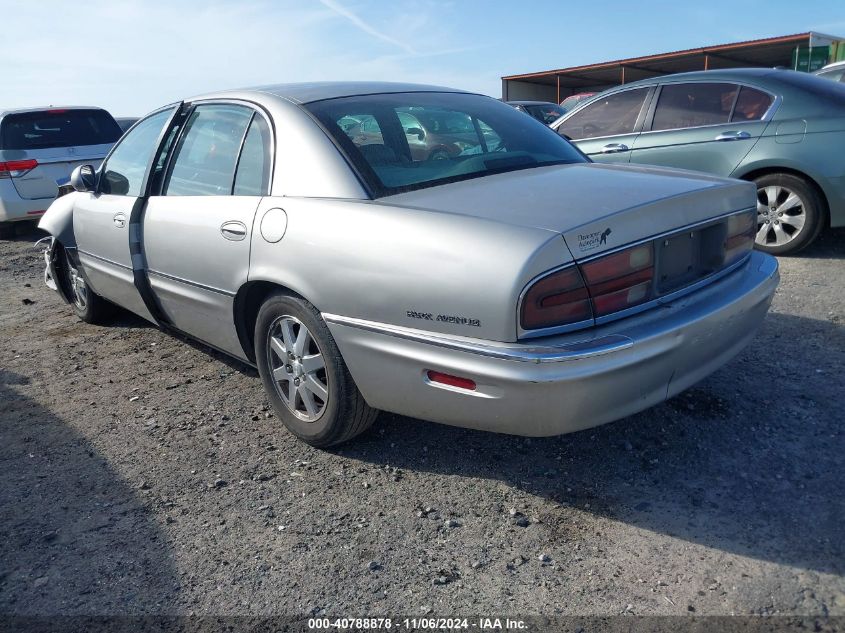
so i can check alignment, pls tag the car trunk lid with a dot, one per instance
(595, 207)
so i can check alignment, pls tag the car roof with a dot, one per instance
(45, 108)
(732, 74)
(318, 91)
(530, 103)
(727, 74)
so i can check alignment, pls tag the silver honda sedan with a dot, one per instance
(506, 283)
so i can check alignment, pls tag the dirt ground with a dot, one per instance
(143, 474)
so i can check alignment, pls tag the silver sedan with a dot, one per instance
(505, 283)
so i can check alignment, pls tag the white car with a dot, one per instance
(834, 71)
(39, 146)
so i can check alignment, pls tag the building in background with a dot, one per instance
(805, 52)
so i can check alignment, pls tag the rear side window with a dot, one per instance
(751, 104)
(207, 153)
(608, 116)
(693, 105)
(253, 174)
(57, 128)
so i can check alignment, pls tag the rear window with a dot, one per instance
(57, 128)
(399, 142)
(547, 113)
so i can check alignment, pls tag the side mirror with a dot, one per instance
(415, 131)
(83, 178)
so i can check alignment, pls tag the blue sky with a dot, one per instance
(131, 56)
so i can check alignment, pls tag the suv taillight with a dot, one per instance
(621, 280)
(557, 299)
(17, 168)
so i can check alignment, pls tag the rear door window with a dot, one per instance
(615, 114)
(57, 128)
(207, 152)
(694, 105)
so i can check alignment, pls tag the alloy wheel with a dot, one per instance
(299, 370)
(780, 215)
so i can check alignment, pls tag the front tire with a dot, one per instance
(304, 375)
(88, 305)
(790, 214)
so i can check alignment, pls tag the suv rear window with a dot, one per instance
(57, 128)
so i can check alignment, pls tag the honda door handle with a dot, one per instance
(614, 148)
(119, 220)
(233, 230)
(733, 136)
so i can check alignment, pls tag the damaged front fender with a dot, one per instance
(50, 250)
(58, 220)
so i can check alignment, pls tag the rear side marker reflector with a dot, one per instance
(39, 212)
(452, 381)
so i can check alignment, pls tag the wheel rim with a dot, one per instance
(77, 287)
(298, 367)
(780, 216)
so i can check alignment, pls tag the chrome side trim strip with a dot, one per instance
(150, 271)
(504, 351)
(104, 259)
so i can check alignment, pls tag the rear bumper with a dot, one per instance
(14, 208)
(565, 383)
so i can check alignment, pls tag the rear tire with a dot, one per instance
(304, 375)
(790, 214)
(88, 306)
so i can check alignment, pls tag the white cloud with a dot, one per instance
(365, 26)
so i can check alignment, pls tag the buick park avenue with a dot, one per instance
(511, 285)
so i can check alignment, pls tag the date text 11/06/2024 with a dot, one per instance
(489, 624)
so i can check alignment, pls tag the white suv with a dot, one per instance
(39, 146)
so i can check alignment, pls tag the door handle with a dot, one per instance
(119, 220)
(614, 148)
(733, 135)
(233, 230)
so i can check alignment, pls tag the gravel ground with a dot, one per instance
(141, 473)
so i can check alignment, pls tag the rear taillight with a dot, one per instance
(621, 280)
(17, 168)
(557, 299)
(613, 283)
(741, 230)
